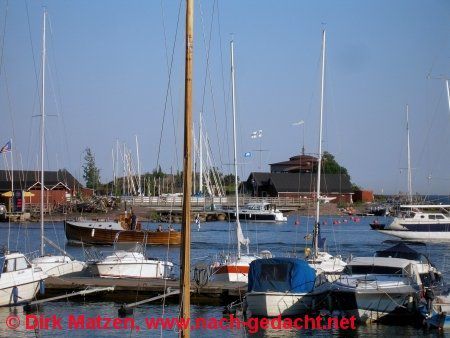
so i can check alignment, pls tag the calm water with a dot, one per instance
(346, 238)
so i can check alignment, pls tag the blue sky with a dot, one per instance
(108, 76)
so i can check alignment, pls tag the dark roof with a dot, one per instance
(304, 182)
(24, 179)
(296, 163)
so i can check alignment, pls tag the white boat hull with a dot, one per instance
(25, 292)
(420, 236)
(272, 304)
(132, 270)
(58, 265)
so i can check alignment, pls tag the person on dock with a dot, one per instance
(160, 229)
(171, 228)
(133, 221)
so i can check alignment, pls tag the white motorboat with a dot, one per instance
(130, 263)
(372, 288)
(423, 223)
(258, 212)
(58, 265)
(19, 280)
(430, 276)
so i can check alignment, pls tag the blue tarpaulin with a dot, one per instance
(281, 275)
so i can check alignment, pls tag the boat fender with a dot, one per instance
(42, 287)
(93, 233)
(15, 294)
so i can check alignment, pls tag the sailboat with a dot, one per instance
(235, 268)
(52, 265)
(291, 286)
(320, 259)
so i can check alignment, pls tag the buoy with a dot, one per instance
(297, 222)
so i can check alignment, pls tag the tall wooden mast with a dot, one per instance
(185, 254)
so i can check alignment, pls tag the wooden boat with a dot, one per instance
(104, 232)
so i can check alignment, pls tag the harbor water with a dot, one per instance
(345, 236)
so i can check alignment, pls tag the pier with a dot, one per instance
(130, 289)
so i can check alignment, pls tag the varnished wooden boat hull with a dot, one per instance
(107, 236)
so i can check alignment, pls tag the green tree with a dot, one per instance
(91, 173)
(330, 165)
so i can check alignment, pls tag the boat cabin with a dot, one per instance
(14, 262)
(264, 206)
(424, 212)
(386, 266)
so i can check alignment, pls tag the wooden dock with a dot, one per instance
(130, 289)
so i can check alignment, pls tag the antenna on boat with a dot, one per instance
(319, 160)
(185, 259)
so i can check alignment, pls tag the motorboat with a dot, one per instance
(430, 276)
(373, 288)
(129, 261)
(58, 265)
(424, 223)
(19, 279)
(258, 212)
(283, 286)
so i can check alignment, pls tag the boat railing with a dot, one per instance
(92, 254)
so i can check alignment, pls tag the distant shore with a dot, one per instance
(147, 214)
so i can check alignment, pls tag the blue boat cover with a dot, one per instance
(281, 275)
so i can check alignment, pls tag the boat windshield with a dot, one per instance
(372, 269)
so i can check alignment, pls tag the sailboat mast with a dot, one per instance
(43, 131)
(233, 100)
(185, 252)
(319, 164)
(409, 156)
(200, 153)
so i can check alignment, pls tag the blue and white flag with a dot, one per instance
(248, 154)
(6, 148)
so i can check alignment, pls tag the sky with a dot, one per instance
(107, 81)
